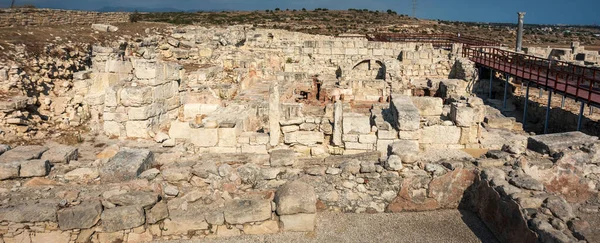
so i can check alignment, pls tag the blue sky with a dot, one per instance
(538, 11)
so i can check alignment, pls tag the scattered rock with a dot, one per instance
(82, 216)
(122, 218)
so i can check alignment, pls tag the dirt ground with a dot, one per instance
(436, 226)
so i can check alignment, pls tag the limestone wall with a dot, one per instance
(36, 17)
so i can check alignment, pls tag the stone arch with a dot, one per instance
(371, 65)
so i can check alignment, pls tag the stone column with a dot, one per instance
(520, 31)
(274, 115)
(338, 109)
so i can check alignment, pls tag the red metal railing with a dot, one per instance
(443, 41)
(574, 80)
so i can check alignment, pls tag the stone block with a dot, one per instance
(23, 213)
(557, 142)
(116, 66)
(241, 211)
(500, 122)
(358, 146)
(383, 147)
(387, 134)
(204, 137)
(410, 135)
(405, 113)
(145, 69)
(61, 154)
(138, 129)
(267, 227)
(295, 197)
(288, 129)
(407, 150)
(428, 106)
(82, 216)
(34, 168)
(113, 129)
(228, 137)
(254, 149)
(126, 165)
(462, 115)
(440, 135)
(136, 96)
(191, 110)
(157, 213)
(283, 157)
(183, 225)
(304, 137)
(367, 138)
(9, 170)
(350, 138)
(180, 130)
(144, 112)
(122, 218)
(23, 153)
(356, 124)
(298, 222)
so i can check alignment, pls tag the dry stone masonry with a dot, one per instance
(223, 132)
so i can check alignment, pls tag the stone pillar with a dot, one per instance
(338, 109)
(520, 31)
(274, 116)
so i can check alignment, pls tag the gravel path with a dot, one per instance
(435, 226)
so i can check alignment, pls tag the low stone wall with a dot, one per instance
(37, 17)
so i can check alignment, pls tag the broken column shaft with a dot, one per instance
(520, 31)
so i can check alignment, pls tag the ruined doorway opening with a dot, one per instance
(371, 69)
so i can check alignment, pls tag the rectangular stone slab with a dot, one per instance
(23, 153)
(556, 142)
(126, 165)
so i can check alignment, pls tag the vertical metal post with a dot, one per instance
(548, 111)
(491, 77)
(580, 119)
(505, 92)
(526, 104)
(562, 104)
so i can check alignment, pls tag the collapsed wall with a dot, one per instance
(12, 17)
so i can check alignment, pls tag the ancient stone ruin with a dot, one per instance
(196, 133)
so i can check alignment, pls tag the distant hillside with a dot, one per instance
(142, 9)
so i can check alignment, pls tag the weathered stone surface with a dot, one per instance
(82, 216)
(527, 182)
(304, 137)
(461, 114)
(338, 113)
(40, 212)
(274, 116)
(560, 208)
(503, 217)
(54, 237)
(353, 123)
(183, 225)
(138, 198)
(61, 154)
(241, 211)
(295, 197)
(127, 164)
(394, 162)
(23, 153)
(428, 106)
(405, 113)
(557, 142)
(298, 222)
(82, 174)
(413, 195)
(267, 227)
(122, 218)
(105, 27)
(450, 188)
(407, 150)
(177, 174)
(34, 168)
(157, 213)
(9, 170)
(440, 135)
(4, 148)
(283, 157)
